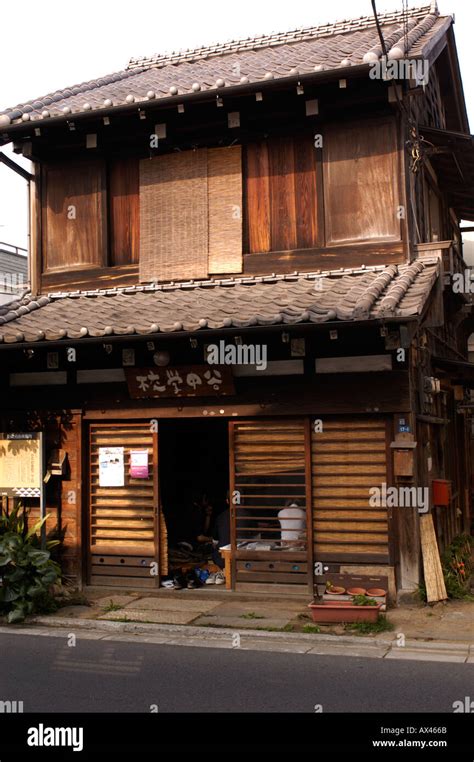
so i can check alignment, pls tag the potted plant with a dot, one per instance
(360, 609)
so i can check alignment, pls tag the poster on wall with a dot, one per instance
(20, 464)
(139, 464)
(111, 468)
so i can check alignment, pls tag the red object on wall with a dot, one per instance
(441, 492)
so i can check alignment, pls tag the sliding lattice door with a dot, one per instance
(270, 502)
(123, 534)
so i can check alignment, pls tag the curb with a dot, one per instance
(210, 633)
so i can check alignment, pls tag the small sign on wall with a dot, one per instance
(20, 464)
(111, 467)
(139, 464)
(181, 381)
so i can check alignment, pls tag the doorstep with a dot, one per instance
(204, 593)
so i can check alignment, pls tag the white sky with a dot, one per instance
(53, 44)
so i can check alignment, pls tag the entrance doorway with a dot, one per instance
(194, 485)
(153, 495)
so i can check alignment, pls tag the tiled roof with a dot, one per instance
(345, 295)
(244, 62)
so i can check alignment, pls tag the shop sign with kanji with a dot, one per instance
(182, 381)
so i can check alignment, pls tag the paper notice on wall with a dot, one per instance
(139, 464)
(111, 468)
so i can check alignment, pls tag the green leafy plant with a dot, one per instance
(363, 600)
(366, 628)
(311, 628)
(26, 569)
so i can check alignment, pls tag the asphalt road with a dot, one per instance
(113, 676)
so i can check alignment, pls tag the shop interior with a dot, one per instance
(194, 485)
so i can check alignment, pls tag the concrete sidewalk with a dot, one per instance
(219, 618)
(216, 607)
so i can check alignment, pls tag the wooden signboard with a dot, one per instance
(20, 465)
(180, 381)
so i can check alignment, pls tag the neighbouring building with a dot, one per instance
(13, 272)
(281, 207)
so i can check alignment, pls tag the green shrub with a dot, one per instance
(27, 571)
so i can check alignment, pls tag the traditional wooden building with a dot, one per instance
(285, 204)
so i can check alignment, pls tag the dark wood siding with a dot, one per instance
(74, 218)
(124, 211)
(280, 192)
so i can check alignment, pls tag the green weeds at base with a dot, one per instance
(366, 628)
(111, 606)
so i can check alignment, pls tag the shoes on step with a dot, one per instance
(211, 580)
(220, 578)
(192, 581)
(178, 583)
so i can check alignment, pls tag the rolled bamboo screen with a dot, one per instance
(173, 216)
(191, 214)
(225, 209)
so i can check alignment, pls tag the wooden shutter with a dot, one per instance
(74, 215)
(174, 216)
(123, 520)
(348, 458)
(225, 209)
(281, 194)
(268, 469)
(361, 182)
(124, 211)
(257, 198)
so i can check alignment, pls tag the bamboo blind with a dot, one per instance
(225, 209)
(191, 214)
(348, 458)
(174, 216)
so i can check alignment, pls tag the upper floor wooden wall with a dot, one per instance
(276, 204)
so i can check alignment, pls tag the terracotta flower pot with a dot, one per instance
(357, 591)
(336, 590)
(343, 611)
(376, 592)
